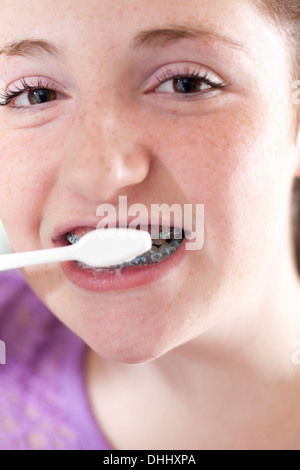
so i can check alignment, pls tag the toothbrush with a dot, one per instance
(99, 248)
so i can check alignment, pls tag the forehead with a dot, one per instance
(117, 20)
(91, 26)
(91, 29)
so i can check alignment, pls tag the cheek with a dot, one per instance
(26, 177)
(236, 164)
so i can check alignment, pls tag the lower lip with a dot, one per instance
(129, 278)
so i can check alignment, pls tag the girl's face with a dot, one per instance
(109, 127)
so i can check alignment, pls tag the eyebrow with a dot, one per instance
(165, 36)
(150, 38)
(31, 47)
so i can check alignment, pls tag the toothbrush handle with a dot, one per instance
(30, 258)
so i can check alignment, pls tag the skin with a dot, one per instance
(221, 326)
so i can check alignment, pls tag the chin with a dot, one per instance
(129, 354)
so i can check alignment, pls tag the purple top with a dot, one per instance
(43, 402)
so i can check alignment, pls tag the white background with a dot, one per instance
(4, 245)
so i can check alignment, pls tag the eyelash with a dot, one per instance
(8, 95)
(169, 75)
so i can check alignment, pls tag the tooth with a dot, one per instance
(164, 247)
(168, 250)
(72, 238)
(154, 248)
(177, 233)
(158, 242)
(157, 256)
(165, 233)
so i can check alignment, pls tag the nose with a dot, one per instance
(102, 157)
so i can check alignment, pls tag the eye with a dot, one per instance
(27, 95)
(33, 97)
(187, 79)
(184, 85)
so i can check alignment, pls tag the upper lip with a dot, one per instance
(61, 230)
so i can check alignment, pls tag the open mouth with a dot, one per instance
(168, 241)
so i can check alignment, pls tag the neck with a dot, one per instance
(243, 362)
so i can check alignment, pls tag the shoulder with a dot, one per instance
(25, 322)
(12, 286)
(31, 378)
(43, 402)
(15, 293)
